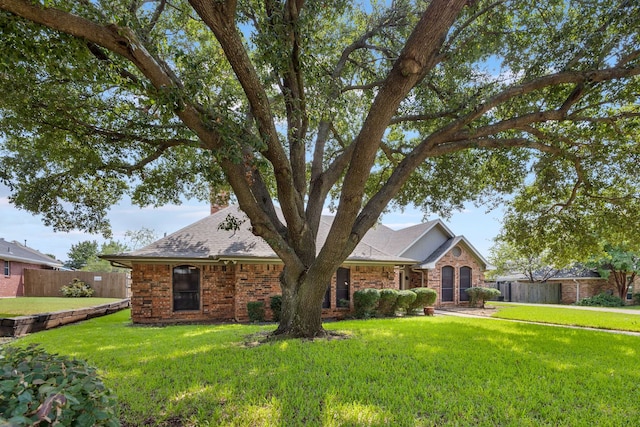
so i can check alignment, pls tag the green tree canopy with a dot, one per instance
(620, 264)
(80, 254)
(365, 106)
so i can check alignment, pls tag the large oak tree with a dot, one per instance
(310, 103)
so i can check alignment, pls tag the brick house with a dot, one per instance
(570, 285)
(204, 273)
(15, 258)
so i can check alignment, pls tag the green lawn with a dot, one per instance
(569, 316)
(417, 371)
(11, 307)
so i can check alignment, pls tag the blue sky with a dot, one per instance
(474, 223)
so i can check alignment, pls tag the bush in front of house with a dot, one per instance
(76, 289)
(365, 302)
(37, 388)
(425, 297)
(256, 311)
(636, 299)
(404, 301)
(479, 295)
(387, 302)
(601, 300)
(275, 304)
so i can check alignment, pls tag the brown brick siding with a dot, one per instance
(432, 278)
(226, 290)
(589, 288)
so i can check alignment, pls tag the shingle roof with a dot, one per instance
(205, 240)
(14, 251)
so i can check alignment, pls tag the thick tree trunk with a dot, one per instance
(301, 315)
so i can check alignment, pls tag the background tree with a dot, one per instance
(309, 103)
(80, 253)
(139, 238)
(508, 259)
(621, 263)
(95, 263)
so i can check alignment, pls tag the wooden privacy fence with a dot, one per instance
(47, 283)
(540, 293)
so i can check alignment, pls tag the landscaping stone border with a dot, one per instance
(23, 325)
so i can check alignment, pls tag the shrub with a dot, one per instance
(256, 311)
(365, 302)
(405, 299)
(37, 388)
(276, 307)
(387, 302)
(77, 288)
(479, 295)
(424, 297)
(602, 300)
(636, 299)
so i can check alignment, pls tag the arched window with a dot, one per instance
(447, 283)
(465, 282)
(186, 288)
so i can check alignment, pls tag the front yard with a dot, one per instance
(415, 371)
(24, 306)
(626, 319)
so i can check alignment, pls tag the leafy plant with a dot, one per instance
(365, 302)
(275, 304)
(478, 295)
(40, 388)
(425, 297)
(387, 302)
(601, 300)
(404, 301)
(343, 303)
(636, 299)
(76, 289)
(256, 311)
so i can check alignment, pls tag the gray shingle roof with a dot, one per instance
(14, 251)
(205, 240)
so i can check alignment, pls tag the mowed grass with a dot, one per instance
(570, 316)
(416, 371)
(22, 306)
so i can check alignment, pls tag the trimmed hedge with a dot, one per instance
(37, 388)
(365, 302)
(425, 297)
(404, 301)
(478, 295)
(387, 302)
(276, 307)
(256, 311)
(602, 300)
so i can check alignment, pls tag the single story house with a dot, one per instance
(205, 273)
(15, 258)
(565, 286)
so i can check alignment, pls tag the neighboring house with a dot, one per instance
(205, 273)
(565, 286)
(15, 258)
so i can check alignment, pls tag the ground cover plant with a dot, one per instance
(413, 371)
(570, 316)
(23, 306)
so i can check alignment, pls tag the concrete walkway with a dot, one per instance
(487, 312)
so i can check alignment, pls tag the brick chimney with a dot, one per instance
(219, 201)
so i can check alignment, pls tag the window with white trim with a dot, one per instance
(7, 268)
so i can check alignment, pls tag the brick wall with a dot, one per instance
(588, 288)
(13, 285)
(226, 290)
(432, 278)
